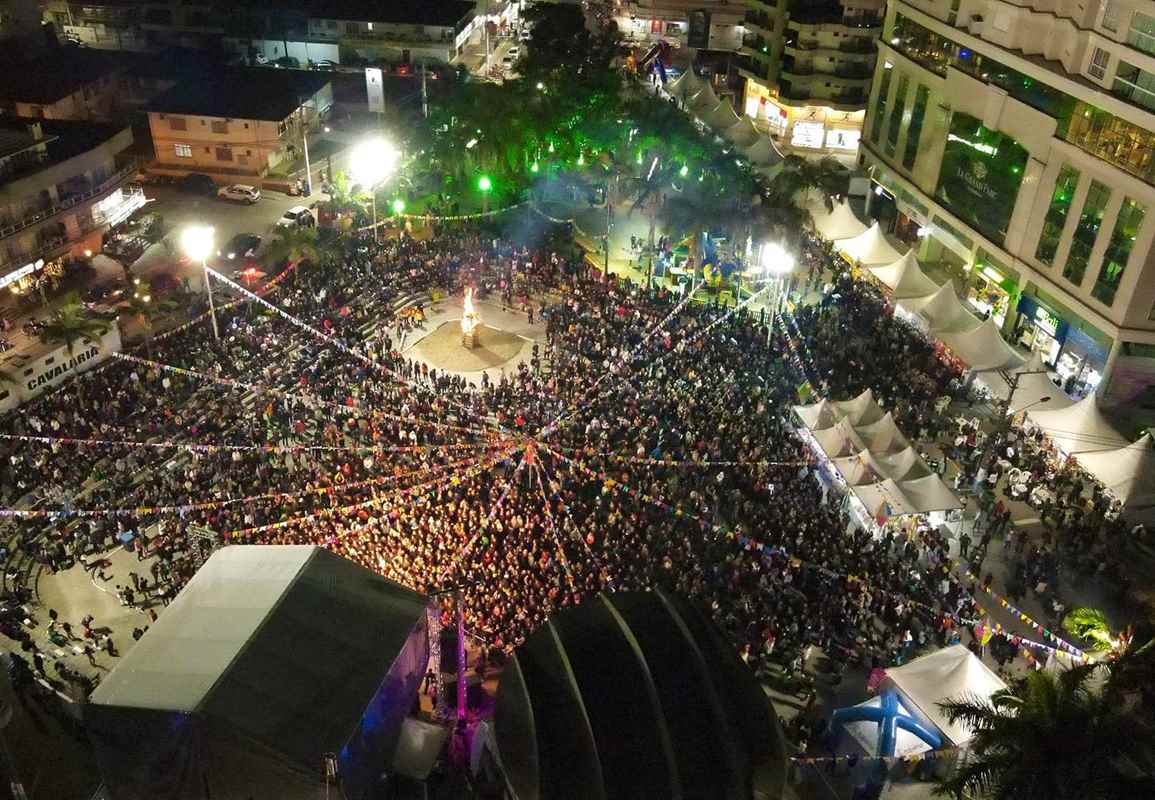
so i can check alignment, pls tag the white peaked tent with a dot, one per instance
(704, 100)
(866, 467)
(1128, 472)
(857, 411)
(869, 248)
(983, 348)
(743, 134)
(873, 495)
(883, 436)
(942, 310)
(953, 673)
(905, 465)
(859, 469)
(763, 152)
(816, 416)
(686, 86)
(905, 278)
(837, 224)
(1033, 385)
(839, 439)
(929, 493)
(721, 117)
(1079, 428)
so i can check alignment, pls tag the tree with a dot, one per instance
(70, 324)
(800, 176)
(147, 308)
(294, 245)
(1091, 625)
(1050, 736)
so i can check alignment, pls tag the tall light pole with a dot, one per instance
(485, 186)
(197, 243)
(372, 162)
(305, 145)
(776, 264)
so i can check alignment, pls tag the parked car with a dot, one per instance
(241, 246)
(260, 58)
(197, 183)
(325, 65)
(287, 62)
(297, 217)
(240, 193)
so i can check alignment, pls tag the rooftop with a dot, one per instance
(442, 13)
(258, 93)
(56, 75)
(60, 139)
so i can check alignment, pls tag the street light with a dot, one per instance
(398, 206)
(197, 243)
(485, 185)
(372, 161)
(776, 263)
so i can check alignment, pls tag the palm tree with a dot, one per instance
(1051, 737)
(800, 176)
(1091, 625)
(294, 245)
(147, 309)
(71, 324)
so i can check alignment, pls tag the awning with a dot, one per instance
(763, 152)
(704, 100)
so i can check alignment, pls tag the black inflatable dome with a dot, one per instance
(635, 695)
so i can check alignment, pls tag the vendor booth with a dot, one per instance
(905, 278)
(839, 223)
(869, 248)
(1033, 387)
(686, 86)
(1079, 428)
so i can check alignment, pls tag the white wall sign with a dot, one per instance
(376, 90)
(56, 367)
(807, 134)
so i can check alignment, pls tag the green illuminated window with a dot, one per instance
(1142, 33)
(1086, 232)
(1136, 86)
(1057, 214)
(880, 103)
(896, 114)
(917, 113)
(1127, 226)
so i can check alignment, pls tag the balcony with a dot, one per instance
(10, 227)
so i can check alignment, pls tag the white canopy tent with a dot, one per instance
(983, 348)
(841, 223)
(743, 134)
(1078, 428)
(905, 278)
(904, 498)
(840, 439)
(703, 100)
(905, 465)
(1128, 472)
(869, 248)
(859, 469)
(883, 436)
(943, 311)
(930, 493)
(686, 86)
(859, 410)
(1032, 386)
(763, 152)
(721, 117)
(953, 673)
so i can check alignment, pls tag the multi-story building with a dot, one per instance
(236, 125)
(1018, 140)
(698, 24)
(62, 184)
(20, 23)
(807, 67)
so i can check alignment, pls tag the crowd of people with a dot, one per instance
(647, 443)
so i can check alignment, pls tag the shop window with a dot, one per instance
(895, 126)
(880, 103)
(914, 131)
(1086, 232)
(1056, 218)
(1141, 36)
(182, 150)
(1100, 59)
(1127, 226)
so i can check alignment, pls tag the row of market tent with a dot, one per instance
(1077, 428)
(698, 97)
(878, 463)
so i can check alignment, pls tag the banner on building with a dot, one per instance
(375, 87)
(53, 368)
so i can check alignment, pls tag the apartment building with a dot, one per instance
(709, 25)
(1014, 142)
(807, 67)
(236, 125)
(62, 184)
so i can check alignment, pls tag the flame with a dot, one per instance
(469, 318)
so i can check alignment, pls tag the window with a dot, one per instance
(1056, 217)
(246, 126)
(1100, 58)
(1086, 232)
(1111, 15)
(224, 154)
(182, 150)
(1142, 33)
(917, 113)
(177, 124)
(1134, 85)
(896, 114)
(1127, 226)
(880, 103)
(219, 126)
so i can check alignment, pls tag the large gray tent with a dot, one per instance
(270, 659)
(635, 695)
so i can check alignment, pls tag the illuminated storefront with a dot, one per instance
(819, 129)
(991, 288)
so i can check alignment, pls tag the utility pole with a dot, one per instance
(305, 142)
(424, 94)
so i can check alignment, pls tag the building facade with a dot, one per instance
(699, 24)
(237, 127)
(807, 68)
(1017, 141)
(62, 185)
